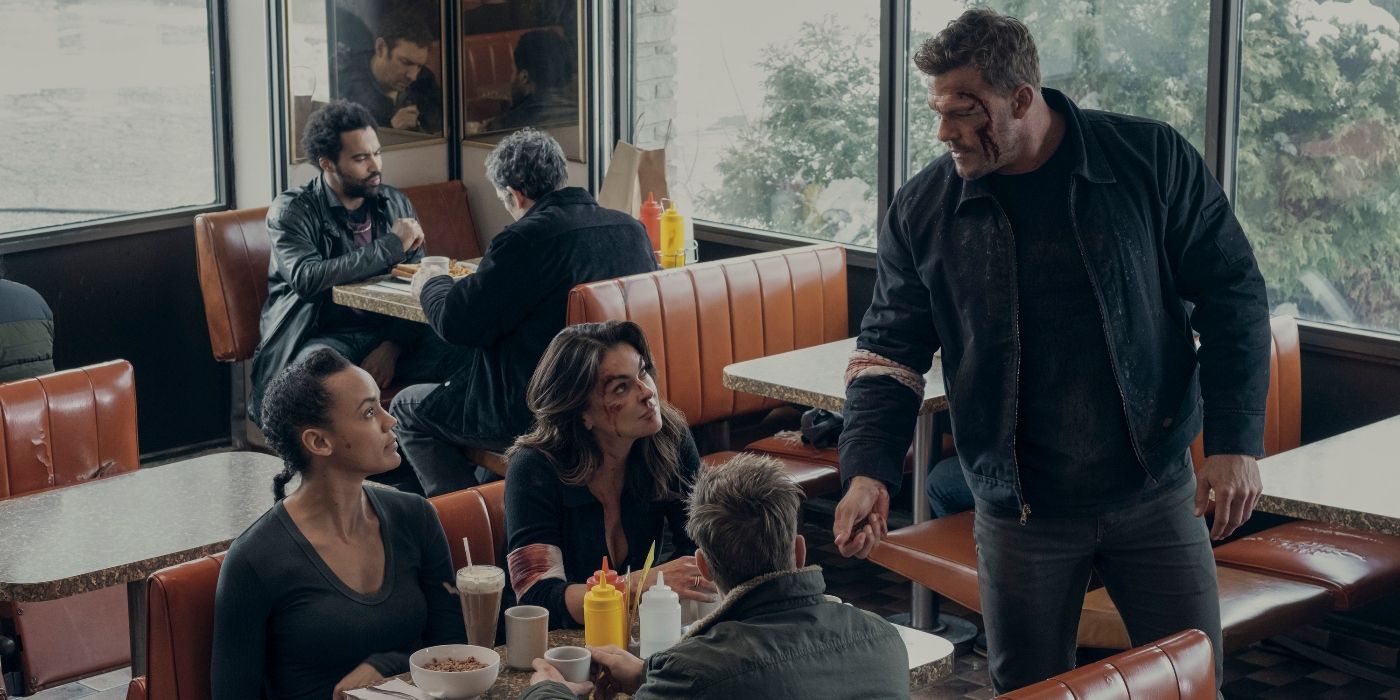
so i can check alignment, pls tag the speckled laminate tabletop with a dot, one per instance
(1348, 479)
(381, 296)
(816, 376)
(120, 529)
(930, 660)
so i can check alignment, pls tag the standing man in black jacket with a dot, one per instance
(510, 308)
(1061, 258)
(344, 226)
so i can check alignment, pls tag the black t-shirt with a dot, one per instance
(285, 624)
(1072, 444)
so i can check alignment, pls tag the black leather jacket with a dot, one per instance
(311, 252)
(1156, 233)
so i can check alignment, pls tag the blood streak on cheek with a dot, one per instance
(990, 148)
(613, 410)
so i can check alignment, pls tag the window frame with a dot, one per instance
(1225, 48)
(162, 219)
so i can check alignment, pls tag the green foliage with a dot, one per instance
(819, 127)
(1319, 164)
(1319, 133)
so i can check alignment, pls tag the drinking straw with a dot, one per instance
(636, 600)
(467, 547)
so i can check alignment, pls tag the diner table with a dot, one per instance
(121, 529)
(816, 376)
(930, 660)
(381, 295)
(1347, 479)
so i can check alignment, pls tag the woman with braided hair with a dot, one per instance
(338, 582)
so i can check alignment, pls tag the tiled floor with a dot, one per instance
(108, 686)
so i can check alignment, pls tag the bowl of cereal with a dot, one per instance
(454, 671)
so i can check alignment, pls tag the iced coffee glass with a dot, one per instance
(479, 588)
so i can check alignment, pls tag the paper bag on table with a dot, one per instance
(632, 174)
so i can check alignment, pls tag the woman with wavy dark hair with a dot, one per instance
(338, 582)
(605, 471)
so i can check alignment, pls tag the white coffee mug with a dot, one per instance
(527, 635)
(571, 662)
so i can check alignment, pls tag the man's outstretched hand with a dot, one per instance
(862, 517)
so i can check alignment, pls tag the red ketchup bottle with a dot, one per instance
(651, 219)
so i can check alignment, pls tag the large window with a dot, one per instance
(768, 110)
(1318, 164)
(106, 107)
(770, 115)
(1140, 57)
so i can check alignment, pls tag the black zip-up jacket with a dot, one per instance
(312, 251)
(515, 304)
(1157, 236)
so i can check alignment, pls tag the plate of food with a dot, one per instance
(457, 269)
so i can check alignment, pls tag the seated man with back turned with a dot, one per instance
(775, 634)
(510, 308)
(343, 226)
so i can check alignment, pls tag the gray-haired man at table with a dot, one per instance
(776, 634)
(510, 308)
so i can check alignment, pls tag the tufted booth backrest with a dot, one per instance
(478, 514)
(1179, 667)
(232, 249)
(67, 427)
(1283, 412)
(180, 599)
(700, 318)
(180, 630)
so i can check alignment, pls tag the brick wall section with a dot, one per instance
(653, 70)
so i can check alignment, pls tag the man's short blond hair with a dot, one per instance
(743, 515)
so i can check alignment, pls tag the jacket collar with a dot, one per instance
(563, 196)
(779, 590)
(1086, 157)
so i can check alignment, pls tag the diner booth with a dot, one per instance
(156, 133)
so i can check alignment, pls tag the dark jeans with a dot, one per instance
(947, 488)
(1155, 559)
(425, 357)
(435, 453)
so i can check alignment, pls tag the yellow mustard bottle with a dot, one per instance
(603, 612)
(672, 236)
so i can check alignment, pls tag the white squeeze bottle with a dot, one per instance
(661, 617)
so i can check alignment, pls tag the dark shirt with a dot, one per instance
(285, 623)
(1071, 434)
(26, 333)
(516, 303)
(334, 318)
(542, 510)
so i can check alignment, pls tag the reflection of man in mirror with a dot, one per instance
(542, 91)
(387, 72)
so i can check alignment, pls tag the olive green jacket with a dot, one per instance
(26, 333)
(776, 636)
